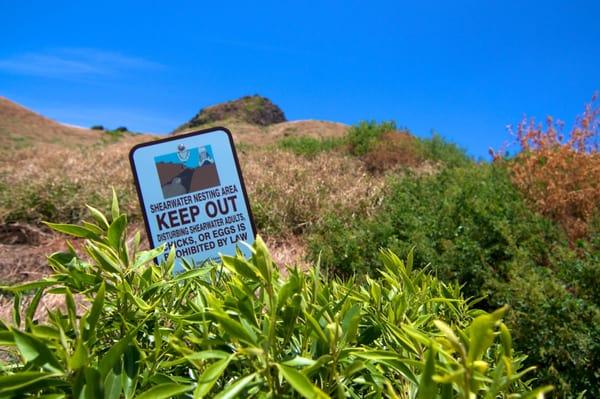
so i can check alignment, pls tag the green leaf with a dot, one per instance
(316, 327)
(108, 361)
(93, 384)
(240, 266)
(170, 262)
(89, 328)
(165, 391)
(28, 286)
(6, 338)
(210, 376)
(115, 231)
(104, 259)
(300, 383)
(114, 209)
(93, 228)
(427, 386)
(208, 354)
(506, 339)
(233, 327)
(131, 361)
(31, 309)
(98, 216)
(232, 390)
(449, 334)
(390, 359)
(71, 307)
(481, 333)
(299, 361)
(320, 362)
(72, 230)
(17, 309)
(350, 322)
(262, 260)
(112, 383)
(80, 357)
(35, 352)
(20, 381)
(143, 257)
(192, 274)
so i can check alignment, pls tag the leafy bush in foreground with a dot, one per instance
(243, 330)
(473, 226)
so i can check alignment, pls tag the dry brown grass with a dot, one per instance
(290, 193)
(20, 127)
(65, 179)
(561, 175)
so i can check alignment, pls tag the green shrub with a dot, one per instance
(438, 149)
(243, 330)
(310, 146)
(472, 225)
(363, 136)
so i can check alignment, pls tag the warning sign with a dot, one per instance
(193, 196)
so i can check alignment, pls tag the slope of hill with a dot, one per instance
(20, 127)
(256, 120)
(246, 133)
(316, 195)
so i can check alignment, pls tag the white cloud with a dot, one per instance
(75, 63)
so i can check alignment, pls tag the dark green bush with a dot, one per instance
(97, 127)
(243, 330)
(473, 226)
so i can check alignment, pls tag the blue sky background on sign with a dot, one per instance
(203, 223)
(463, 68)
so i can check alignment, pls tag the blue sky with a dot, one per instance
(463, 69)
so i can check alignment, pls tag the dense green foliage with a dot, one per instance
(437, 149)
(472, 225)
(241, 329)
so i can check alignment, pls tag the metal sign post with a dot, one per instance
(192, 195)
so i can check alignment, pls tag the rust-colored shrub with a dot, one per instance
(391, 150)
(561, 174)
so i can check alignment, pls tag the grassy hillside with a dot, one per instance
(323, 191)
